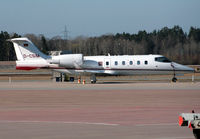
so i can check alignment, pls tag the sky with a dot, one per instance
(96, 17)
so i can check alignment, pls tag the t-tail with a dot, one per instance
(28, 55)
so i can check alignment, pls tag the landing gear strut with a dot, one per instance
(93, 79)
(174, 79)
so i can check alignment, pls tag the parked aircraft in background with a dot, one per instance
(29, 58)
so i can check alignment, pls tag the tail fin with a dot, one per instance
(28, 55)
(26, 50)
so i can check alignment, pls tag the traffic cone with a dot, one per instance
(79, 81)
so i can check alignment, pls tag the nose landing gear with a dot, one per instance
(174, 79)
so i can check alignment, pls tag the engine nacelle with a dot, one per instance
(68, 60)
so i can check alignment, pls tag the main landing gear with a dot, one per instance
(93, 79)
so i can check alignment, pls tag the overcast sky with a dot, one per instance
(96, 17)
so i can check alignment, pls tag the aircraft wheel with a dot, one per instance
(174, 79)
(93, 79)
(93, 82)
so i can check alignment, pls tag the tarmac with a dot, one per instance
(49, 110)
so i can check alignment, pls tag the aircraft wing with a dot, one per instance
(100, 72)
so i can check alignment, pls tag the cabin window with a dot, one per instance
(107, 63)
(100, 63)
(131, 62)
(146, 62)
(138, 62)
(123, 63)
(162, 59)
(116, 62)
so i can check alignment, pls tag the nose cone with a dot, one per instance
(184, 68)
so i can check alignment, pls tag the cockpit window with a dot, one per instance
(162, 59)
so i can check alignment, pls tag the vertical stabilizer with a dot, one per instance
(28, 55)
(26, 50)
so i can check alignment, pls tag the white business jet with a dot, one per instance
(29, 58)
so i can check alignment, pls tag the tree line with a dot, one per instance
(173, 43)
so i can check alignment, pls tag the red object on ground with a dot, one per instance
(180, 120)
